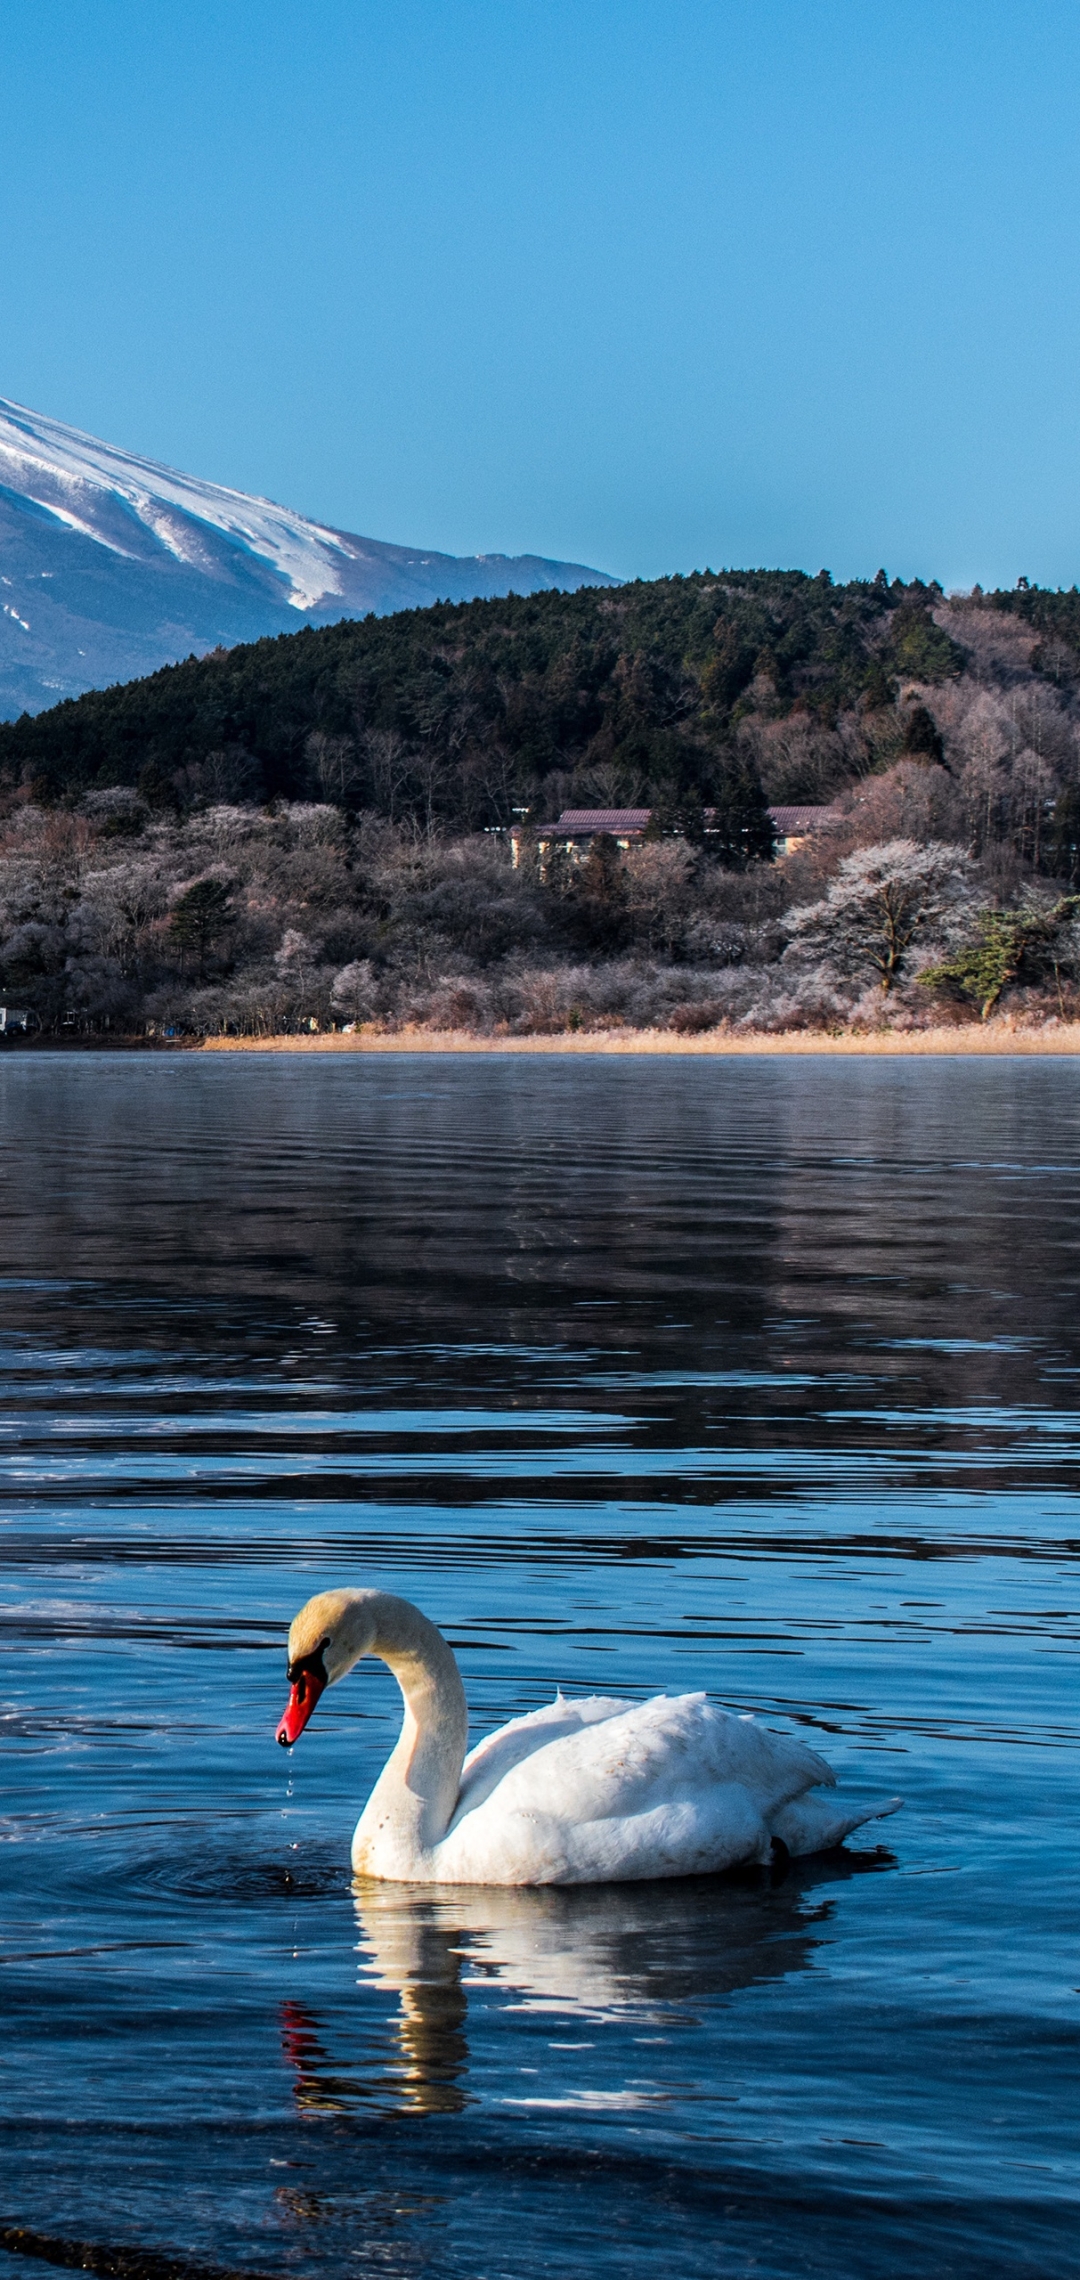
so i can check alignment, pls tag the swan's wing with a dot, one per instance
(613, 1760)
(510, 1745)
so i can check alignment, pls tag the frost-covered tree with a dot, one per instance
(352, 991)
(881, 902)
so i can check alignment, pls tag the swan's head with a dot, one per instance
(325, 1639)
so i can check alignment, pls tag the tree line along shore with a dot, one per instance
(345, 834)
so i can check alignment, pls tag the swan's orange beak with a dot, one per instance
(309, 1680)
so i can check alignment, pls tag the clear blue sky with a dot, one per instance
(643, 283)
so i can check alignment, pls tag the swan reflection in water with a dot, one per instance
(654, 1953)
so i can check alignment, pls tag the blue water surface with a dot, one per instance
(758, 1376)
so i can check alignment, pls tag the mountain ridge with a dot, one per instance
(113, 564)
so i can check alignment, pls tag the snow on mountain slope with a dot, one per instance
(111, 565)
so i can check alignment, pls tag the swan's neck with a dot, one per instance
(410, 1806)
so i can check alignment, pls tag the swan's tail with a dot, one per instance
(814, 1824)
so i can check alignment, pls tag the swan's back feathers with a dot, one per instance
(608, 1788)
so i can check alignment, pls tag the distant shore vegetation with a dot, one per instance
(344, 826)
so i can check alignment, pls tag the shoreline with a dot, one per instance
(970, 1039)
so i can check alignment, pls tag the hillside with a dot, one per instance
(467, 714)
(112, 565)
(310, 831)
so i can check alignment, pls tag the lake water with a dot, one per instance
(759, 1376)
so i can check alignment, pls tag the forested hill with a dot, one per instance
(243, 843)
(465, 714)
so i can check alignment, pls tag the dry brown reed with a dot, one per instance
(992, 1037)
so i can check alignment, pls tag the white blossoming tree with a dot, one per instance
(882, 902)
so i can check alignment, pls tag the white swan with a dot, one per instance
(589, 1792)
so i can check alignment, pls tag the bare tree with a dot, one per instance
(913, 800)
(391, 763)
(332, 764)
(660, 899)
(294, 955)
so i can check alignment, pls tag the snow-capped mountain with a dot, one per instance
(111, 565)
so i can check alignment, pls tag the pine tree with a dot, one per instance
(1007, 945)
(739, 829)
(199, 919)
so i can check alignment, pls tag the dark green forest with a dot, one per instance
(468, 714)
